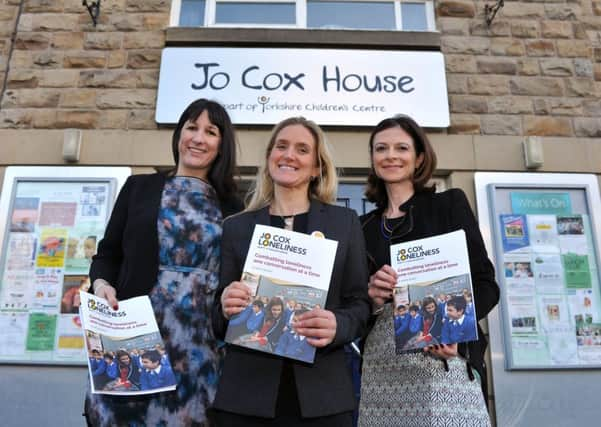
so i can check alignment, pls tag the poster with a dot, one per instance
(51, 247)
(577, 271)
(41, 331)
(14, 332)
(16, 290)
(548, 272)
(69, 337)
(20, 253)
(514, 231)
(52, 232)
(25, 214)
(543, 233)
(81, 247)
(47, 289)
(550, 281)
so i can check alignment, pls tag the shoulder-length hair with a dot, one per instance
(375, 190)
(223, 169)
(272, 302)
(322, 188)
(426, 302)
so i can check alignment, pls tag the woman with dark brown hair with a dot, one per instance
(153, 246)
(434, 386)
(271, 329)
(430, 325)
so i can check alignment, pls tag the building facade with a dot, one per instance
(530, 74)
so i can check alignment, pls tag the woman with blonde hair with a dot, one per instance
(322, 186)
(294, 190)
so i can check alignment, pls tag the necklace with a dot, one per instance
(288, 221)
(385, 225)
(386, 229)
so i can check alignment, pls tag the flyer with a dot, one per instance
(577, 270)
(126, 355)
(14, 331)
(522, 315)
(47, 289)
(588, 339)
(20, 251)
(289, 273)
(25, 214)
(92, 201)
(58, 214)
(69, 340)
(553, 311)
(561, 344)
(543, 233)
(514, 232)
(582, 305)
(51, 250)
(16, 293)
(81, 247)
(433, 297)
(548, 273)
(41, 332)
(518, 273)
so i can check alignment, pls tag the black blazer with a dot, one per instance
(128, 255)
(250, 379)
(430, 214)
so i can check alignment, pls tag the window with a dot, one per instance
(244, 12)
(192, 13)
(413, 16)
(350, 14)
(391, 15)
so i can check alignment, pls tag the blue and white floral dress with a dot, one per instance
(189, 232)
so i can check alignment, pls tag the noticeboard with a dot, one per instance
(51, 220)
(546, 254)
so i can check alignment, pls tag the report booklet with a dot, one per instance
(126, 355)
(433, 297)
(289, 274)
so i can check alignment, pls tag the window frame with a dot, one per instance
(301, 15)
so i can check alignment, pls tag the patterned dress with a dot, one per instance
(414, 389)
(189, 232)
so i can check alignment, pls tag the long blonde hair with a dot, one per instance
(322, 188)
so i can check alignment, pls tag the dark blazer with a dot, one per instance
(250, 379)
(430, 214)
(128, 255)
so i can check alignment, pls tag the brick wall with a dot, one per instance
(535, 71)
(64, 72)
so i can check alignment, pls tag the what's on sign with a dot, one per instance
(330, 87)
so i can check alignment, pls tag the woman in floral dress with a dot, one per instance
(163, 240)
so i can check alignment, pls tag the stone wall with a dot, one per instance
(64, 72)
(9, 9)
(535, 71)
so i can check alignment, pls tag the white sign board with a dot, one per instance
(330, 87)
